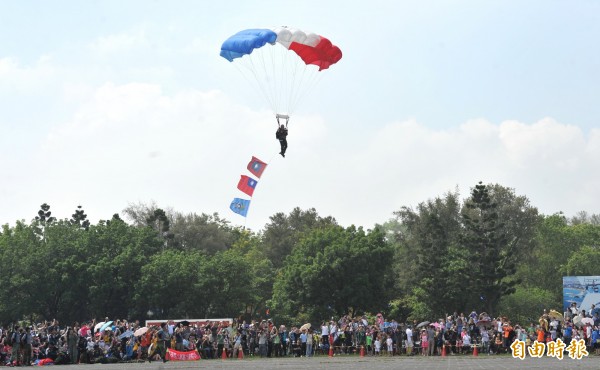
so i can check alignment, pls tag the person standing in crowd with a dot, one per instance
(431, 340)
(409, 340)
(303, 343)
(325, 335)
(178, 338)
(237, 344)
(27, 341)
(424, 343)
(162, 342)
(485, 341)
(72, 340)
(262, 342)
(16, 345)
(309, 343)
(377, 345)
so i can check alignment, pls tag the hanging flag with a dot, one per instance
(247, 185)
(256, 166)
(240, 206)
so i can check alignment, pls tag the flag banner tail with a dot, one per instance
(240, 206)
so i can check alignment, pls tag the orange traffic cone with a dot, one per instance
(475, 352)
(330, 351)
(241, 354)
(443, 350)
(224, 355)
(362, 351)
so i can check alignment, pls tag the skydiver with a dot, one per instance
(281, 135)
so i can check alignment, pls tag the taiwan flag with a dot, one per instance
(240, 206)
(247, 185)
(256, 166)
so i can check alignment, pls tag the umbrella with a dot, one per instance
(108, 329)
(305, 326)
(140, 331)
(587, 320)
(105, 326)
(185, 323)
(437, 325)
(98, 326)
(422, 324)
(127, 334)
(555, 315)
(485, 323)
(577, 321)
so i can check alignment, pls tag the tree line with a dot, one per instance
(492, 251)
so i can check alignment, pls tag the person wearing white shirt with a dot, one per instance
(466, 339)
(409, 341)
(390, 345)
(325, 334)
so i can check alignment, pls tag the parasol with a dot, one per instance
(98, 326)
(587, 320)
(305, 326)
(140, 331)
(555, 315)
(422, 324)
(484, 323)
(106, 325)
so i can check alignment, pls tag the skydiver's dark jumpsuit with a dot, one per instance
(281, 135)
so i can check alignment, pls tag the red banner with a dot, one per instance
(174, 355)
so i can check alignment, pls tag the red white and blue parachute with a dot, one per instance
(283, 63)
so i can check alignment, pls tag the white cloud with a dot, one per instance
(16, 77)
(120, 42)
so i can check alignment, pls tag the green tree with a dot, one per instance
(332, 271)
(492, 262)
(425, 254)
(584, 261)
(282, 232)
(526, 304)
(117, 254)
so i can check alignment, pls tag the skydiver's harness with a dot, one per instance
(279, 135)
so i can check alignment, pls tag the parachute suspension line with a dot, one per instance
(309, 84)
(266, 59)
(268, 88)
(294, 86)
(276, 73)
(256, 82)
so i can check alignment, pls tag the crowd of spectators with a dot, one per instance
(124, 341)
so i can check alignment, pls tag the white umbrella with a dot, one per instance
(587, 320)
(98, 326)
(140, 331)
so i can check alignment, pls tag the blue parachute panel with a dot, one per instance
(244, 42)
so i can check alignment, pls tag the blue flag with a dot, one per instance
(240, 206)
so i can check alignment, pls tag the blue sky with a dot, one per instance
(106, 103)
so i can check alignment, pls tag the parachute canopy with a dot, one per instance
(283, 63)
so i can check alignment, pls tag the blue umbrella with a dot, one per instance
(106, 325)
(127, 334)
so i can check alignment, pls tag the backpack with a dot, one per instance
(14, 338)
